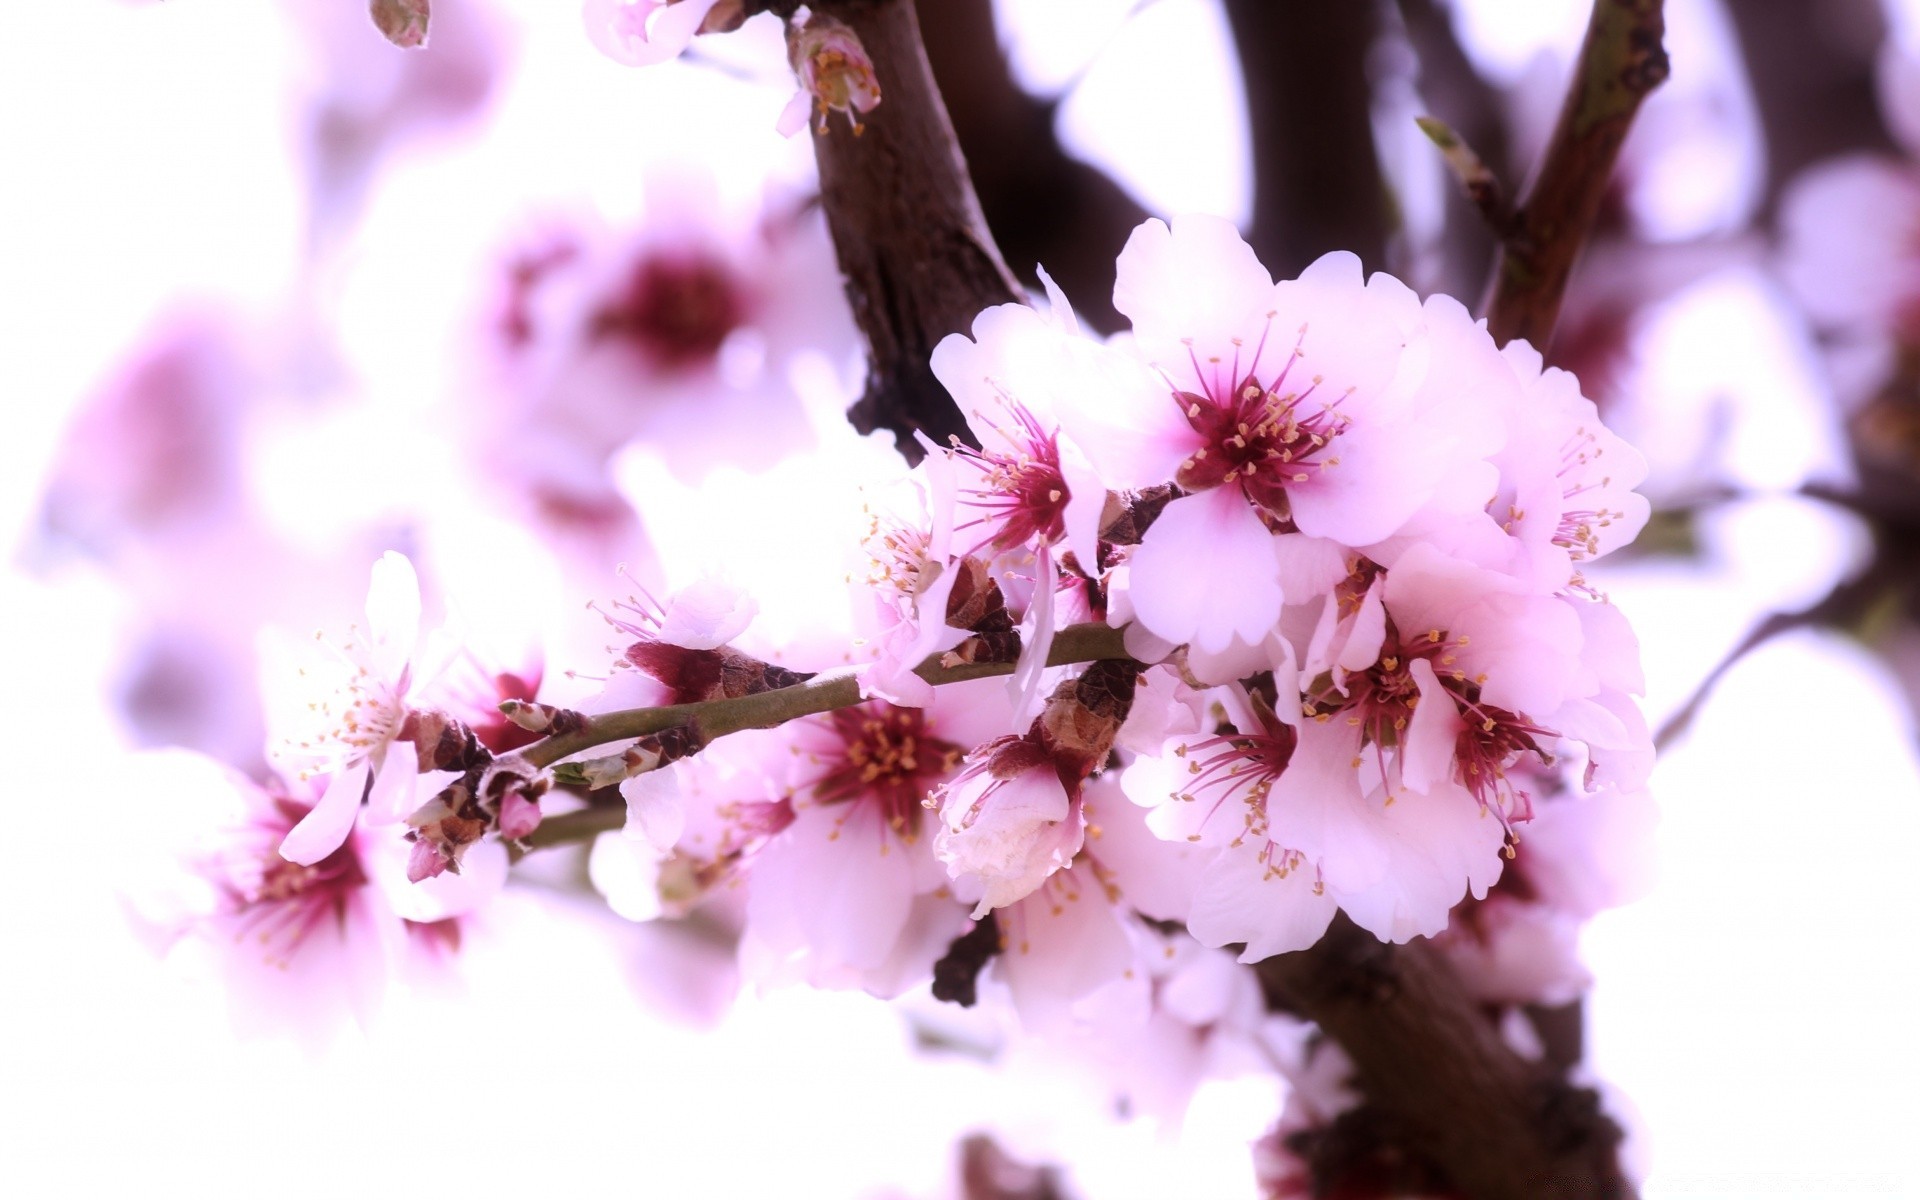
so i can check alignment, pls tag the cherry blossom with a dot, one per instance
(834, 71)
(354, 729)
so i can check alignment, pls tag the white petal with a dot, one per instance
(1196, 281)
(1426, 756)
(654, 814)
(321, 831)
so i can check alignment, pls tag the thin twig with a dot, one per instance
(1621, 61)
(1482, 185)
(1844, 605)
(822, 693)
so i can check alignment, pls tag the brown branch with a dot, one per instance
(1621, 61)
(1316, 179)
(914, 251)
(1498, 1126)
(1044, 206)
(1846, 605)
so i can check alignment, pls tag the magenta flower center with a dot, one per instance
(279, 903)
(1265, 437)
(676, 309)
(1022, 490)
(885, 756)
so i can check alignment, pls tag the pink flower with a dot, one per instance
(1301, 407)
(299, 943)
(1007, 821)
(640, 33)
(910, 577)
(839, 889)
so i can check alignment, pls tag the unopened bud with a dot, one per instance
(834, 73)
(403, 22)
(540, 718)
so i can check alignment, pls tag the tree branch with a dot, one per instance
(914, 251)
(1316, 178)
(1621, 61)
(1044, 206)
(822, 693)
(1499, 1127)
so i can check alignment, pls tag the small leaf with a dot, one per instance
(404, 22)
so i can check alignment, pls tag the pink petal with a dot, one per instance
(1205, 573)
(1197, 280)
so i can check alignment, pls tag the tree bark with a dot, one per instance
(917, 260)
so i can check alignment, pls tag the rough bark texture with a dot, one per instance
(913, 246)
(1621, 61)
(1425, 1056)
(1316, 178)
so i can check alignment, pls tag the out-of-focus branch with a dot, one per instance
(1621, 61)
(1498, 1126)
(1455, 91)
(1812, 67)
(915, 254)
(1316, 177)
(1044, 206)
(1846, 605)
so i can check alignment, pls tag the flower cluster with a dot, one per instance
(1287, 590)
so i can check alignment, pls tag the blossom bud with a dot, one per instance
(694, 675)
(1084, 715)
(404, 22)
(443, 742)
(834, 73)
(545, 719)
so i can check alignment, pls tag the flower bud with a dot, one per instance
(834, 73)
(404, 22)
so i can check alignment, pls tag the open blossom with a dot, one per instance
(355, 728)
(848, 889)
(303, 942)
(1027, 500)
(910, 578)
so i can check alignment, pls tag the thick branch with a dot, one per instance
(1498, 1126)
(1044, 206)
(1621, 61)
(914, 251)
(1316, 178)
(822, 693)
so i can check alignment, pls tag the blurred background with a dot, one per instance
(279, 297)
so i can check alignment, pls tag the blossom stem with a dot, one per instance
(822, 693)
(1621, 61)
